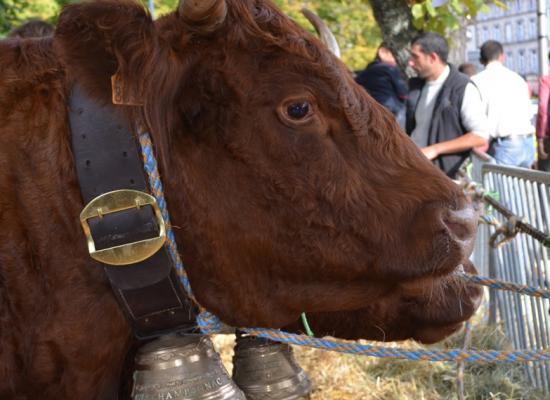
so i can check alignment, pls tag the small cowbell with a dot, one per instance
(176, 367)
(265, 369)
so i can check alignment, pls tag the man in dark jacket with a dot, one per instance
(445, 115)
(382, 80)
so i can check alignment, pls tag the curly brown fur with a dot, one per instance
(341, 216)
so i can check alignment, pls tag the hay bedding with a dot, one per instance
(346, 377)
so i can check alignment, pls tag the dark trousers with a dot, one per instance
(544, 165)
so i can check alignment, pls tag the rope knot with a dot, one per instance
(506, 232)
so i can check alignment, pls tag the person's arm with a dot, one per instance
(465, 142)
(542, 115)
(473, 118)
(399, 85)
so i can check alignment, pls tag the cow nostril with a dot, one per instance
(458, 230)
(461, 223)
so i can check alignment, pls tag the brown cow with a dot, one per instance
(290, 188)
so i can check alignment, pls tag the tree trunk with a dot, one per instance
(457, 43)
(395, 21)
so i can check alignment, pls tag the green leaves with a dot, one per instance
(162, 7)
(448, 16)
(9, 12)
(417, 12)
(15, 12)
(351, 22)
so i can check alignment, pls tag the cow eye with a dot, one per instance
(298, 110)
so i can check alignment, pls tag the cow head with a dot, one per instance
(290, 189)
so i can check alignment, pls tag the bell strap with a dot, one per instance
(107, 158)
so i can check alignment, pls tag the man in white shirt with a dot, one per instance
(507, 105)
(444, 109)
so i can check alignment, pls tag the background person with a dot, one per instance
(507, 104)
(468, 69)
(543, 131)
(32, 29)
(444, 109)
(382, 80)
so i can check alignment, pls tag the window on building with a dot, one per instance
(470, 39)
(517, 4)
(532, 28)
(509, 61)
(534, 61)
(521, 62)
(520, 30)
(485, 34)
(532, 5)
(496, 32)
(473, 57)
(508, 32)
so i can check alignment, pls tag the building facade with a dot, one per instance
(516, 28)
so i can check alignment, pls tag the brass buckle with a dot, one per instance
(115, 201)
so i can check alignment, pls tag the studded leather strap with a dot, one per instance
(107, 158)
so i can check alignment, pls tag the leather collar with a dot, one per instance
(107, 157)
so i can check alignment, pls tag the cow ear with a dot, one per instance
(105, 45)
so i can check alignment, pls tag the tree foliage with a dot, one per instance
(351, 22)
(15, 12)
(401, 20)
(357, 29)
(449, 15)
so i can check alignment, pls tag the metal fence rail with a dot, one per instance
(480, 255)
(523, 260)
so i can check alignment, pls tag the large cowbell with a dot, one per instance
(176, 367)
(267, 370)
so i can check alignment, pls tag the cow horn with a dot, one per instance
(203, 15)
(324, 33)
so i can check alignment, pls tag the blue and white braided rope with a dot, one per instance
(209, 323)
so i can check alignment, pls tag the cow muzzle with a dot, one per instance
(182, 368)
(442, 237)
(461, 225)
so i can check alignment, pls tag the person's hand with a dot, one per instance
(430, 152)
(543, 155)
